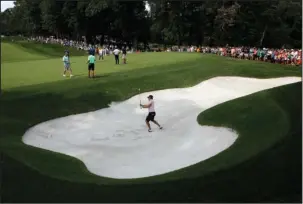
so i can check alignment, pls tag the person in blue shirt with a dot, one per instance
(66, 64)
(66, 52)
(91, 51)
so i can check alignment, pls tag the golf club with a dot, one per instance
(140, 98)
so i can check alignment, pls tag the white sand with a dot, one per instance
(114, 142)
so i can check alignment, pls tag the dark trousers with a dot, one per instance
(117, 59)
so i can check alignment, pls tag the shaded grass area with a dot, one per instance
(11, 52)
(271, 175)
(17, 51)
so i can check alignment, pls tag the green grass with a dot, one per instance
(37, 70)
(256, 168)
(20, 51)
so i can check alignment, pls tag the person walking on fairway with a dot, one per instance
(91, 65)
(116, 54)
(124, 55)
(101, 53)
(66, 64)
(151, 112)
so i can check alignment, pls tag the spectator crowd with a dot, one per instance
(278, 56)
(80, 45)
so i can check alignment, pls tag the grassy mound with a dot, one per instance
(273, 173)
(12, 52)
(270, 127)
(19, 51)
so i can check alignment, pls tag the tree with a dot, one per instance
(209, 22)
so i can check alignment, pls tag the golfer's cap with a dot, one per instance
(150, 96)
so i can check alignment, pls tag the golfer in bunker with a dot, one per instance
(151, 112)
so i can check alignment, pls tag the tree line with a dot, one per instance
(209, 22)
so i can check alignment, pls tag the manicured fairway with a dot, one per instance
(22, 66)
(264, 165)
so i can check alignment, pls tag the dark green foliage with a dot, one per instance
(271, 175)
(211, 22)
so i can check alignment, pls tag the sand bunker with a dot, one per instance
(114, 142)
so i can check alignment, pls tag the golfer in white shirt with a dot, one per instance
(101, 53)
(116, 54)
(151, 113)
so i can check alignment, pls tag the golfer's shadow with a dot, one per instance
(101, 76)
(78, 75)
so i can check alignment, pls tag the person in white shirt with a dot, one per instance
(101, 53)
(151, 113)
(116, 54)
(105, 51)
